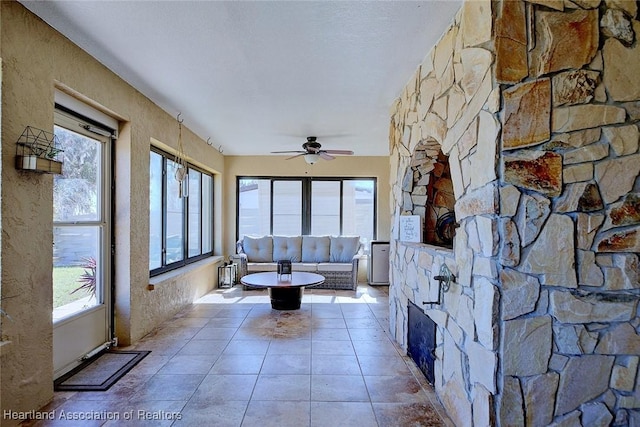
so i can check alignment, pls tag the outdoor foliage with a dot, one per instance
(75, 190)
(65, 280)
(88, 278)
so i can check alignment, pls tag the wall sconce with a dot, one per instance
(39, 151)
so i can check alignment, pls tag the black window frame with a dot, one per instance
(306, 199)
(186, 260)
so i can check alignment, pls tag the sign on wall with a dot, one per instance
(410, 228)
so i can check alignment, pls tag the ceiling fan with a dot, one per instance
(312, 151)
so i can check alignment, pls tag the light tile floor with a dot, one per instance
(230, 360)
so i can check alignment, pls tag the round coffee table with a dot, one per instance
(285, 290)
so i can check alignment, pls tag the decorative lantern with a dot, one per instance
(39, 151)
(284, 267)
(227, 275)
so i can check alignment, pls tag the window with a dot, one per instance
(358, 205)
(325, 208)
(316, 206)
(180, 229)
(286, 215)
(254, 197)
(81, 215)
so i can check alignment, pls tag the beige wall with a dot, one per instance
(36, 59)
(355, 166)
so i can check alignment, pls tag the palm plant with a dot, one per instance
(88, 278)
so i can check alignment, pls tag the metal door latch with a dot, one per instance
(444, 278)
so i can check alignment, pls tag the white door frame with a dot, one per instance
(81, 333)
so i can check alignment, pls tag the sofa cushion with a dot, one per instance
(343, 248)
(309, 267)
(287, 248)
(258, 249)
(334, 266)
(315, 248)
(257, 267)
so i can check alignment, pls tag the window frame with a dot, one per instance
(306, 199)
(105, 135)
(186, 259)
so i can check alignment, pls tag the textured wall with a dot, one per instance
(35, 59)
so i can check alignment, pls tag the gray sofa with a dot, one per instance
(334, 257)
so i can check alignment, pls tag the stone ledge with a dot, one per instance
(163, 278)
(426, 246)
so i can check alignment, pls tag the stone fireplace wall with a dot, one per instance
(537, 106)
(569, 218)
(451, 106)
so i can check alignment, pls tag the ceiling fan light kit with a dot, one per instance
(313, 152)
(311, 158)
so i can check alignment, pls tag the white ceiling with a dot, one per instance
(260, 76)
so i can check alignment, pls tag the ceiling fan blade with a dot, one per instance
(288, 152)
(345, 152)
(326, 156)
(297, 155)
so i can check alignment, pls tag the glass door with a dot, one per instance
(81, 242)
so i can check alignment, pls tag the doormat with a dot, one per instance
(100, 372)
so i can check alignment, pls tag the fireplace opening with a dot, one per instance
(427, 191)
(421, 340)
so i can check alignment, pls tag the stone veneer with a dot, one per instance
(536, 103)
